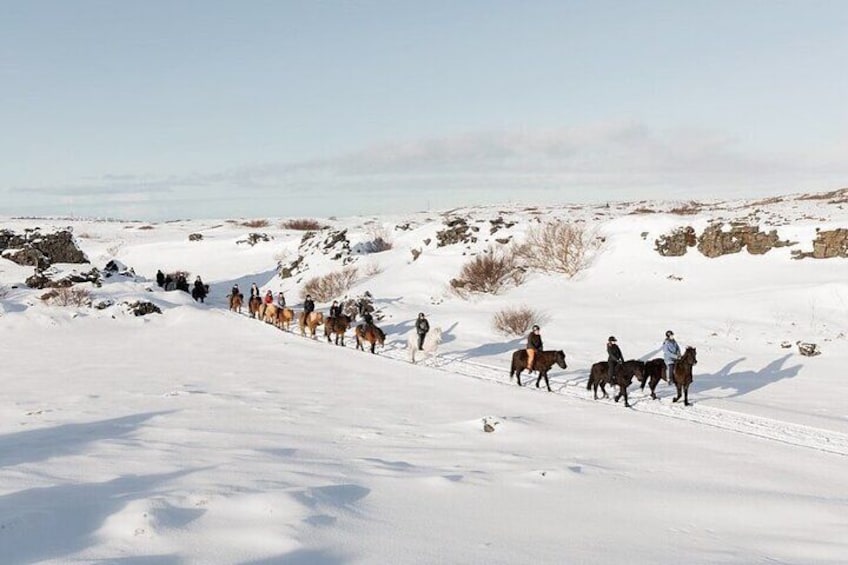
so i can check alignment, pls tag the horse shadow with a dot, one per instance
(743, 382)
(490, 349)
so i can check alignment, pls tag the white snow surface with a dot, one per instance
(203, 436)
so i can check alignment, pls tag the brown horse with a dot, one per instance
(235, 302)
(543, 362)
(682, 376)
(254, 306)
(371, 334)
(624, 373)
(655, 371)
(310, 322)
(269, 314)
(337, 325)
(285, 317)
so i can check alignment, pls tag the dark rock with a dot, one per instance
(254, 238)
(415, 253)
(41, 250)
(195, 236)
(142, 308)
(828, 244)
(677, 242)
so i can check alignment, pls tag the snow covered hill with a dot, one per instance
(201, 436)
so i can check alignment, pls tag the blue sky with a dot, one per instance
(159, 110)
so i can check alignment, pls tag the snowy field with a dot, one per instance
(203, 436)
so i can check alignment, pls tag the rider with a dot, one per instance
(254, 291)
(308, 305)
(336, 310)
(235, 291)
(269, 297)
(369, 319)
(615, 357)
(534, 345)
(281, 300)
(422, 326)
(671, 353)
(199, 289)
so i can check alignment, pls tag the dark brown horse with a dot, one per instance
(624, 373)
(371, 334)
(337, 325)
(655, 371)
(254, 306)
(682, 376)
(542, 363)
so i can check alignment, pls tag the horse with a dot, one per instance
(624, 373)
(269, 315)
(543, 362)
(682, 376)
(310, 322)
(371, 334)
(254, 305)
(655, 371)
(285, 316)
(235, 302)
(199, 293)
(336, 325)
(431, 344)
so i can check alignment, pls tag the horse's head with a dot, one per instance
(437, 335)
(690, 355)
(559, 359)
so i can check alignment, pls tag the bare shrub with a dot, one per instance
(260, 223)
(516, 321)
(379, 240)
(687, 209)
(147, 227)
(302, 224)
(489, 273)
(330, 286)
(69, 296)
(558, 247)
(371, 269)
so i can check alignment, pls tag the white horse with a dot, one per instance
(431, 344)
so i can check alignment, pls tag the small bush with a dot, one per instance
(371, 269)
(330, 286)
(379, 240)
(558, 247)
(516, 321)
(69, 296)
(147, 227)
(302, 224)
(489, 273)
(261, 223)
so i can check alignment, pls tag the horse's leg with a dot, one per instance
(547, 382)
(518, 377)
(679, 392)
(653, 387)
(373, 347)
(686, 395)
(623, 390)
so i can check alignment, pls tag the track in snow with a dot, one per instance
(756, 426)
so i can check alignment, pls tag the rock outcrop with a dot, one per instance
(828, 244)
(39, 250)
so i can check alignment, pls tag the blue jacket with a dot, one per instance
(671, 351)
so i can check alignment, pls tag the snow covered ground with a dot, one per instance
(202, 436)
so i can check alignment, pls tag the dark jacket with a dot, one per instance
(614, 353)
(254, 291)
(160, 278)
(422, 326)
(534, 341)
(336, 311)
(235, 291)
(308, 305)
(369, 319)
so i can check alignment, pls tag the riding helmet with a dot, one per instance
(611, 338)
(669, 333)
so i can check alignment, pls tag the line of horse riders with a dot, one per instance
(336, 323)
(673, 368)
